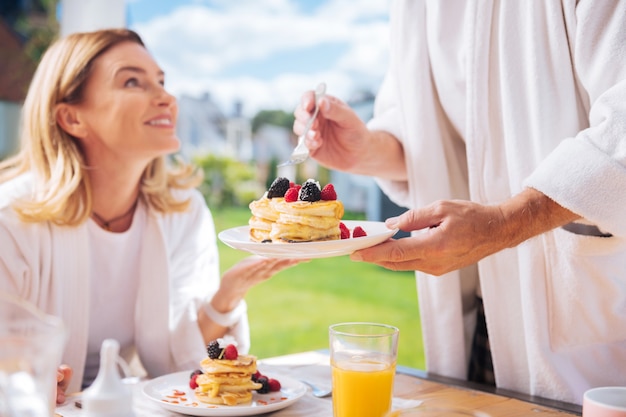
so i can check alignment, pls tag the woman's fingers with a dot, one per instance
(64, 375)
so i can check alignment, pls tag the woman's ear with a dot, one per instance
(69, 119)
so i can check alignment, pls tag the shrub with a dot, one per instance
(227, 182)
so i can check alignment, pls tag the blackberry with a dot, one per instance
(266, 385)
(196, 372)
(214, 350)
(278, 188)
(310, 191)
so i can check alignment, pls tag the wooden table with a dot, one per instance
(435, 390)
(412, 387)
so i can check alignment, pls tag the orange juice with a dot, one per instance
(362, 388)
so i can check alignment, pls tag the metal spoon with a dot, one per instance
(301, 152)
(317, 391)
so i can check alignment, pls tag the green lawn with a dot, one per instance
(292, 311)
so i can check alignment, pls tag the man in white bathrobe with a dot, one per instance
(502, 125)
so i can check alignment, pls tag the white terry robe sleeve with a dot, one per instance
(587, 173)
(193, 268)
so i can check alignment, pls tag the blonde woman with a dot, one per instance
(97, 228)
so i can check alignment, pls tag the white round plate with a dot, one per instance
(377, 232)
(161, 390)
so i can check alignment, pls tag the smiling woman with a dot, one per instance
(96, 226)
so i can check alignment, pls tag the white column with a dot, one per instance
(88, 15)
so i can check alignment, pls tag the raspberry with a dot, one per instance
(278, 188)
(263, 380)
(358, 232)
(213, 349)
(230, 352)
(192, 382)
(345, 232)
(273, 384)
(310, 191)
(328, 192)
(291, 195)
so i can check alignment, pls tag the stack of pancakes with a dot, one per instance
(264, 215)
(227, 382)
(304, 221)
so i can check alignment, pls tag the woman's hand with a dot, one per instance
(234, 285)
(64, 375)
(244, 275)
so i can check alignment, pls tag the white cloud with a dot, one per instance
(196, 45)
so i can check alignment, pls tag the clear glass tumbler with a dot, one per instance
(363, 363)
(31, 347)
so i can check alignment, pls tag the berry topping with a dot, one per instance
(213, 349)
(263, 380)
(291, 195)
(256, 376)
(192, 382)
(230, 352)
(358, 232)
(278, 188)
(195, 373)
(345, 232)
(310, 191)
(328, 192)
(273, 384)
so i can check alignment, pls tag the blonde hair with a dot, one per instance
(62, 191)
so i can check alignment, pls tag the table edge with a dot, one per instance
(429, 376)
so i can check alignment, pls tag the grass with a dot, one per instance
(292, 311)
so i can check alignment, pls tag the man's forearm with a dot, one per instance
(531, 213)
(385, 158)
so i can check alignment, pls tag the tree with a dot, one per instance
(272, 117)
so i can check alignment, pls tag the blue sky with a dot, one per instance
(264, 52)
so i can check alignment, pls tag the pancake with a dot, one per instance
(226, 398)
(290, 213)
(263, 216)
(227, 381)
(303, 221)
(244, 364)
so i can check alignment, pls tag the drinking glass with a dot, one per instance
(31, 346)
(363, 363)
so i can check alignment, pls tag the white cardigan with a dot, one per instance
(543, 105)
(48, 265)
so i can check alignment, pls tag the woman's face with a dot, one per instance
(127, 113)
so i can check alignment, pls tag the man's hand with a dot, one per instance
(459, 233)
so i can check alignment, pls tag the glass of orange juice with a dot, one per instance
(363, 362)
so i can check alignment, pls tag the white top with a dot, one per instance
(114, 265)
(49, 266)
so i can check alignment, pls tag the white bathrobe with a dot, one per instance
(489, 97)
(48, 265)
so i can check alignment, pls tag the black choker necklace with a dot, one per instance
(106, 224)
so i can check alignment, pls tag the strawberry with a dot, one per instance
(230, 352)
(328, 192)
(291, 195)
(274, 384)
(345, 232)
(192, 382)
(358, 232)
